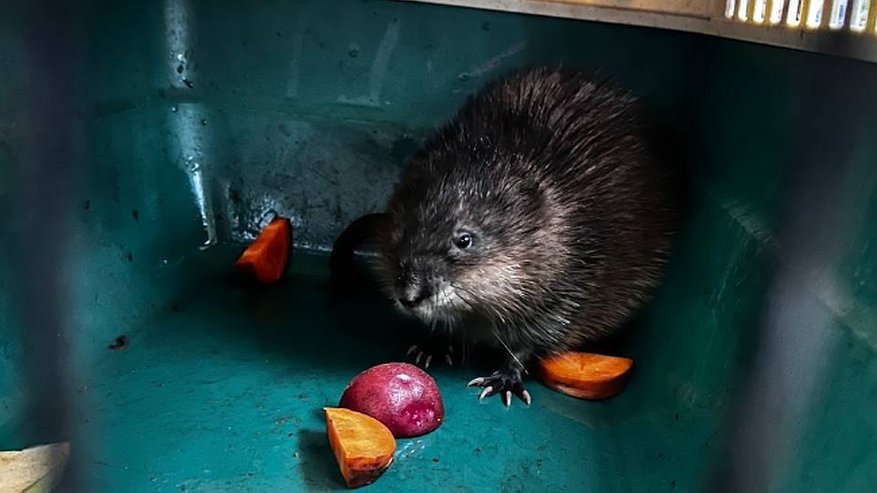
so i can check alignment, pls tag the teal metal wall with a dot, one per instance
(197, 119)
(756, 98)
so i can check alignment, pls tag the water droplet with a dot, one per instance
(193, 166)
(204, 122)
(174, 108)
(353, 50)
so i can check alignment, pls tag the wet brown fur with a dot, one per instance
(573, 219)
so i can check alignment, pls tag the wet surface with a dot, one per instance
(227, 395)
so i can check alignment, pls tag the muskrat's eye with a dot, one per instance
(463, 241)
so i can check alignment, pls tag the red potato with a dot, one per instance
(401, 396)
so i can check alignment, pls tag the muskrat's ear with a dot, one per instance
(346, 274)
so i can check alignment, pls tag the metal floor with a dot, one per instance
(223, 391)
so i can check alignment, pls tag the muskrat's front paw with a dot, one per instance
(504, 383)
(425, 355)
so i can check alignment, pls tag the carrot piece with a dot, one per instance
(363, 446)
(585, 375)
(266, 258)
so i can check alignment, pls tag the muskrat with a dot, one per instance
(537, 219)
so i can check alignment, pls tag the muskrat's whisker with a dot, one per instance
(551, 229)
(506, 346)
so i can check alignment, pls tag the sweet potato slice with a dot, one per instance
(585, 375)
(265, 259)
(363, 446)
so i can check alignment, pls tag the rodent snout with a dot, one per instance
(413, 297)
(412, 289)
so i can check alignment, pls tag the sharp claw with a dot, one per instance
(419, 356)
(449, 360)
(411, 350)
(427, 362)
(507, 398)
(525, 396)
(450, 349)
(475, 381)
(485, 392)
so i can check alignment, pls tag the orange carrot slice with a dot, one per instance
(363, 446)
(585, 375)
(266, 258)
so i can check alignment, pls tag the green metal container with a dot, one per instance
(182, 127)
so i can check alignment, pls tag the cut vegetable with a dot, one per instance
(585, 375)
(400, 395)
(265, 260)
(363, 446)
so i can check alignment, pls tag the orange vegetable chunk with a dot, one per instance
(265, 259)
(363, 446)
(585, 375)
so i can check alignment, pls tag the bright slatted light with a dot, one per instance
(776, 12)
(859, 19)
(760, 11)
(853, 15)
(838, 14)
(743, 10)
(814, 13)
(794, 16)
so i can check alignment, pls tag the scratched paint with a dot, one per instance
(379, 67)
(493, 63)
(295, 61)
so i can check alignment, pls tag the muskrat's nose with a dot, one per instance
(414, 295)
(412, 285)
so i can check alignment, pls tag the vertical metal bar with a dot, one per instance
(848, 15)
(782, 8)
(750, 11)
(805, 13)
(784, 18)
(796, 337)
(872, 17)
(43, 193)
